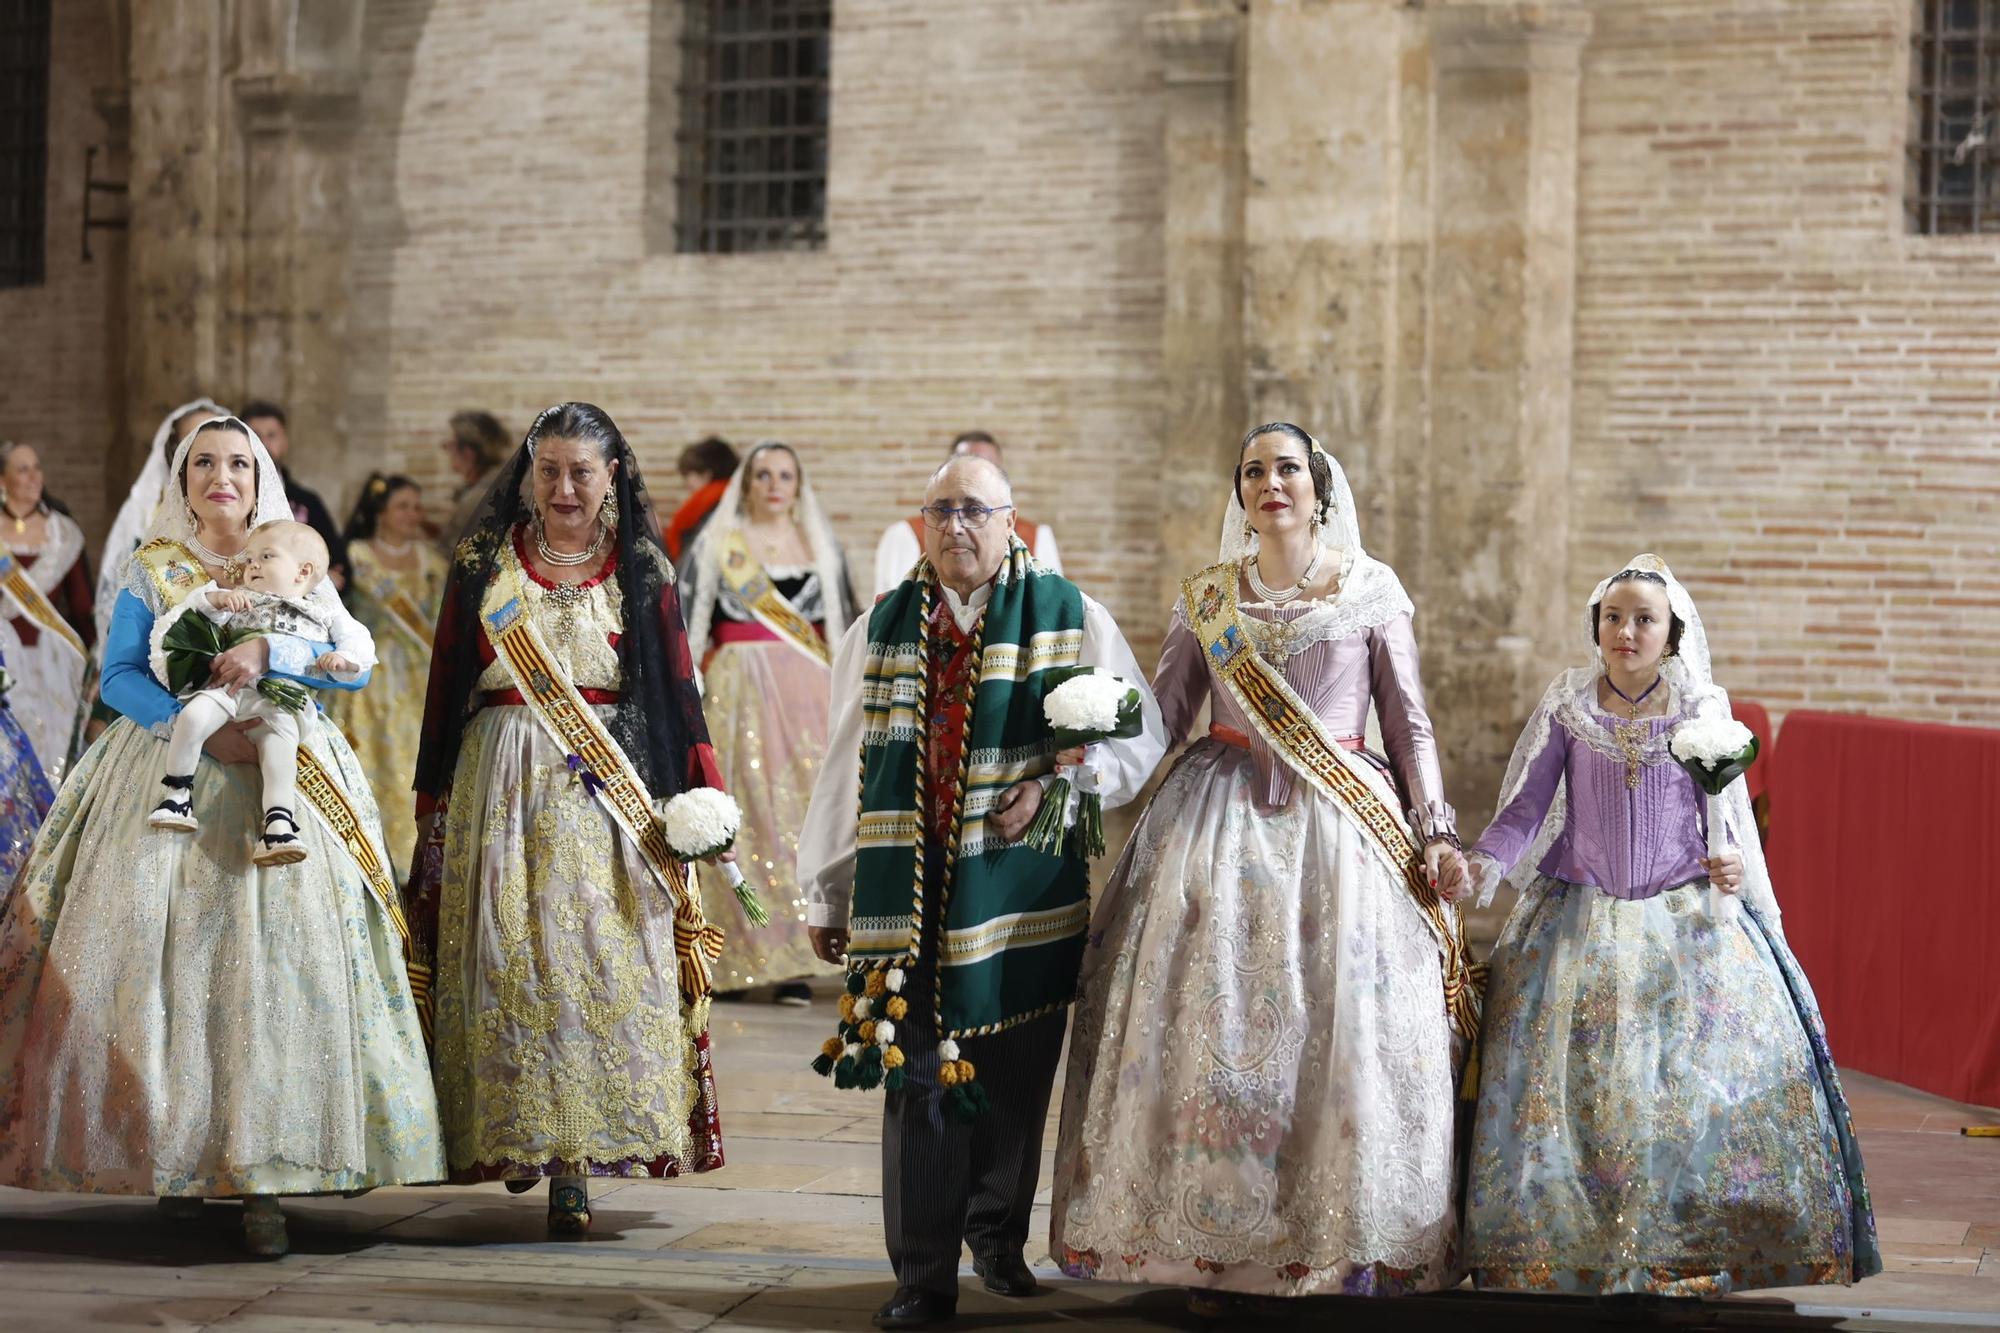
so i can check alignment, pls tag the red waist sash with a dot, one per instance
(1231, 736)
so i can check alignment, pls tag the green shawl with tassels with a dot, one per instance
(1011, 941)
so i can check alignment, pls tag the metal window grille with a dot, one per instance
(1953, 173)
(753, 125)
(24, 140)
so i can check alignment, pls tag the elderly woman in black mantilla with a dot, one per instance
(572, 958)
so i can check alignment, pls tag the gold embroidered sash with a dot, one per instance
(330, 803)
(176, 572)
(553, 698)
(174, 569)
(746, 580)
(1296, 734)
(33, 603)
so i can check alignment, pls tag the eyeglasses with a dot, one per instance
(974, 516)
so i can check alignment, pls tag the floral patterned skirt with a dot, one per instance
(1658, 1109)
(564, 1045)
(1260, 1094)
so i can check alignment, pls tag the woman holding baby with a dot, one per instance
(203, 1025)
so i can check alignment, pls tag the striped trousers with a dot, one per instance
(945, 1181)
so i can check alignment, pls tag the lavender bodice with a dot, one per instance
(1629, 842)
(1337, 678)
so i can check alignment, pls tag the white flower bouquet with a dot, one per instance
(702, 822)
(1082, 706)
(1715, 751)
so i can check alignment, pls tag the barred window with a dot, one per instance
(1953, 170)
(752, 162)
(24, 140)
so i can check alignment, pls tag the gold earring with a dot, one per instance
(608, 514)
(194, 523)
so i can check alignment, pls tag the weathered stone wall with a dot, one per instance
(59, 371)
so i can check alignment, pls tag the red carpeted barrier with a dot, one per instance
(1886, 860)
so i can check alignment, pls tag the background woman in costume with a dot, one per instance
(767, 592)
(569, 1042)
(24, 791)
(174, 1020)
(1261, 1086)
(1658, 1110)
(394, 583)
(49, 668)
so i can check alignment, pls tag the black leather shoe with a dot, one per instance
(1007, 1276)
(914, 1307)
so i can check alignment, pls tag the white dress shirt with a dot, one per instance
(826, 843)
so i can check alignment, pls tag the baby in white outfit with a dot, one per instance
(280, 566)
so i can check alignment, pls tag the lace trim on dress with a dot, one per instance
(1589, 723)
(1370, 595)
(62, 543)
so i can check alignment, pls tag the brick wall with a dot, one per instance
(59, 389)
(994, 261)
(1777, 389)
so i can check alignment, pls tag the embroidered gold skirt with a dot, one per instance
(564, 1046)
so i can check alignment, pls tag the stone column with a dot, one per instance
(1334, 233)
(297, 90)
(1202, 337)
(242, 119)
(175, 244)
(1500, 614)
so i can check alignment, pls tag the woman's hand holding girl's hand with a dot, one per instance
(1445, 866)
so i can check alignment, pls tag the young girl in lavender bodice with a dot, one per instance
(1658, 1111)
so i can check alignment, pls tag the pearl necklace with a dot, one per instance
(1291, 594)
(558, 558)
(209, 557)
(390, 549)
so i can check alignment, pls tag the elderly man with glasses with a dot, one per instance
(902, 542)
(962, 944)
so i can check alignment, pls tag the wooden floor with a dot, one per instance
(788, 1237)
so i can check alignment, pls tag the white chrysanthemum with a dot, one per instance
(852, 1050)
(885, 1033)
(947, 1050)
(1709, 740)
(1086, 703)
(895, 982)
(700, 822)
(861, 1008)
